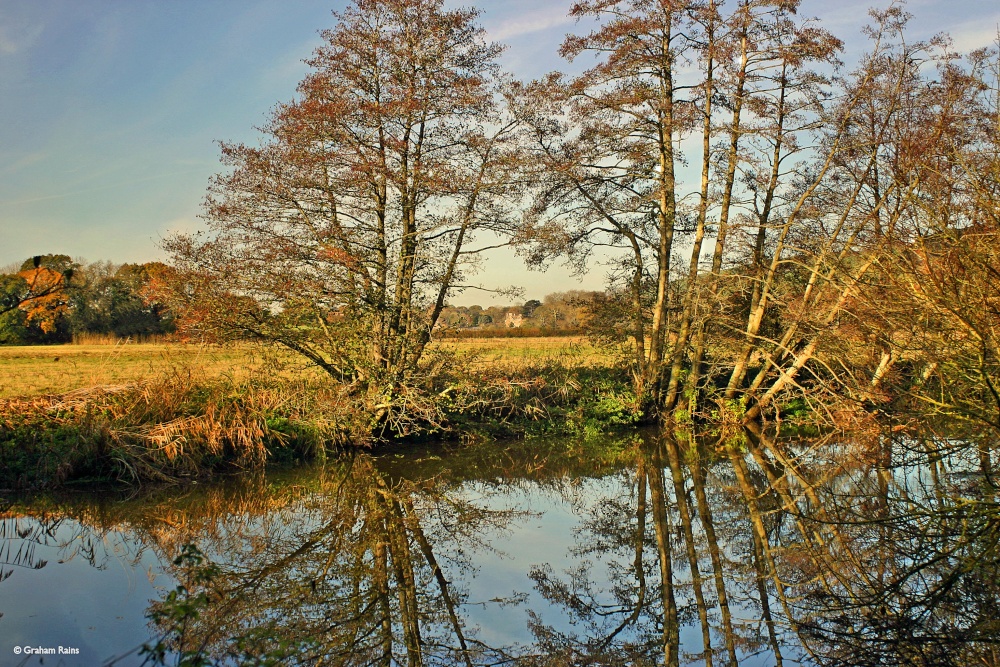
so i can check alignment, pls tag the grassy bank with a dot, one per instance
(155, 413)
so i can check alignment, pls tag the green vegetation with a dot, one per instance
(160, 430)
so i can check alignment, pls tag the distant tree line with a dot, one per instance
(556, 312)
(52, 298)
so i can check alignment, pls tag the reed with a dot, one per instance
(92, 339)
(171, 427)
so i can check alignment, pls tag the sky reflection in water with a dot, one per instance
(549, 552)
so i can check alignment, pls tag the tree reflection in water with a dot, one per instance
(737, 549)
(367, 571)
(29, 543)
(767, 551)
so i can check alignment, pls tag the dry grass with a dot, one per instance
(40, 370)
(515, 352)
(163, 430)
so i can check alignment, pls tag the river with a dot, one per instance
(875, 549)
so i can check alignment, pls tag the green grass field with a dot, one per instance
(39, 370)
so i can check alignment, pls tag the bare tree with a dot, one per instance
(347, 229)
(610, 143)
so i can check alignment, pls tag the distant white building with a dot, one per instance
(514, 320)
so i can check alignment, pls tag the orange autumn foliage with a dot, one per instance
(48, 301)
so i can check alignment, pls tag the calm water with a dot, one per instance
(881, 550)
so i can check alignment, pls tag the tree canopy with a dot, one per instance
(54, 298)
(753, 194)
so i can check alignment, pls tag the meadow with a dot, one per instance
(37, 370)
(54, 369)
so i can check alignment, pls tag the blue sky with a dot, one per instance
(110, 109)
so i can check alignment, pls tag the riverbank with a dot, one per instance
(173, 426)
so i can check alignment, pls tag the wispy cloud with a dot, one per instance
(24, 161)
(976, 34)
(529, 23)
